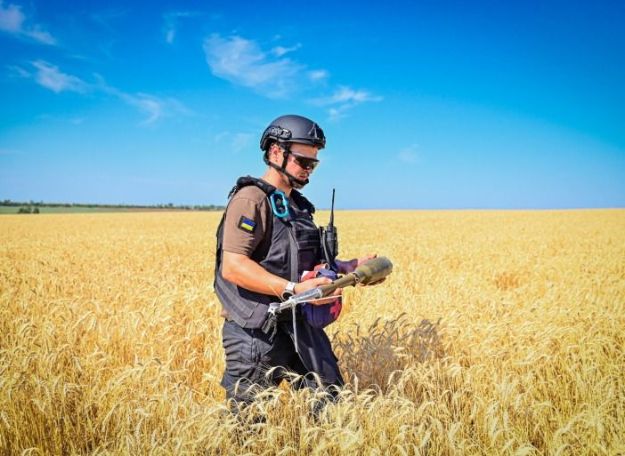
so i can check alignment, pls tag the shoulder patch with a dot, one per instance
(246, 224)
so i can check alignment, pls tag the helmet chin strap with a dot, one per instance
(293, 181)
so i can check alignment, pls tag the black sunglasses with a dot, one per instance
(305, 162)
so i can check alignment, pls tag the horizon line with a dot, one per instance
(222, 206)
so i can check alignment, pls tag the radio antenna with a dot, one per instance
(332, 210)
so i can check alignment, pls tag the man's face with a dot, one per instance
(301, 162)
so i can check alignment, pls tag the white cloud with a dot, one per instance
(335, 114)
(171, 23)
(219, 137)
(170, 34)
(38, 34)
(409, 154)
(154, 108)
(346, 94)
(318, 75)
(151, 106)
(235, 142)
(243, 62)
(17, 71)
(50, 77)
(241, 141)
(11, 18)
(343, 100)
(279, 51)
(13, 21)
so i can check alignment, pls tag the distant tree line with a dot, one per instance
(28, 210)
(32, 207)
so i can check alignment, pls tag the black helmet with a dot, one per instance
(293, 129)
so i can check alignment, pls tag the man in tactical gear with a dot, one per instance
(265, 241)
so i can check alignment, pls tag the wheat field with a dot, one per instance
(499, 332)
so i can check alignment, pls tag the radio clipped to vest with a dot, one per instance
(330, 240)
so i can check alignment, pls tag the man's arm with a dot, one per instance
(246, 273)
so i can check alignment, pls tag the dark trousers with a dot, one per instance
(255, 361)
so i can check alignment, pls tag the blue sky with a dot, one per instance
(425, 104)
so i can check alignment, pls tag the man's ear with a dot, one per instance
(275, 152)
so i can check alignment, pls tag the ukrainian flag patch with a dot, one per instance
(246, 224)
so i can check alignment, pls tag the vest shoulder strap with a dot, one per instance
(249, 180)
(302, 202)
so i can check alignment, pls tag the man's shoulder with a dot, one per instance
(251, 193)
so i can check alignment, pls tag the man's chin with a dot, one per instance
(298, 186)
(295, 182)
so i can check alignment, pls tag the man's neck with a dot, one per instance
(278, 180)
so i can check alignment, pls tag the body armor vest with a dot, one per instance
(294, 247)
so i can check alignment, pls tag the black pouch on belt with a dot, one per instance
(270, 326)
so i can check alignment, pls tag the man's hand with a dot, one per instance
(314, 283)
(366, 258)
(345, 267)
